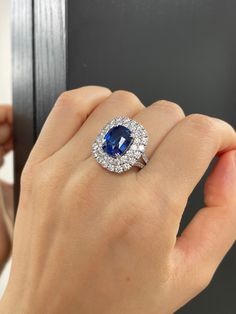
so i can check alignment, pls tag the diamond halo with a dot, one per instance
(131, 155)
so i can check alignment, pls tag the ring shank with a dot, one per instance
(141, 163)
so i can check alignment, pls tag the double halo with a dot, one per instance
(121, 145)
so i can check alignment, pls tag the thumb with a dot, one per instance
(212, 231)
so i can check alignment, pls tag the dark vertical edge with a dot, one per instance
(67, 41)
(34, 72)
(50, 55)
(23, 85)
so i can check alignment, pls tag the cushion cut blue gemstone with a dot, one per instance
(117, 141)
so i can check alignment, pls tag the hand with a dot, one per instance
(6, 190)
(90, 241)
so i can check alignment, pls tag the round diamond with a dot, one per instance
(126, 167)
(145, 140)
(111, 167)
(134, 147)
(119, 169)
(137, 140)
(132, 160)
(141, 148)
(124, 158)
(137, 154)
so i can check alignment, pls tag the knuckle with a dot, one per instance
(95, 88)
(203, 280)
(171, 108)
(67, 101)
(81, 96)
(202, 123)
(64, 99)
(126, 95)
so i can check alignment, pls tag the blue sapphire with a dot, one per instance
(117, 141)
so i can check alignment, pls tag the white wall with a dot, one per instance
(6, 172)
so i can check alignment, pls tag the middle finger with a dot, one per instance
(158, 119)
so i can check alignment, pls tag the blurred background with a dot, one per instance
(6, 171)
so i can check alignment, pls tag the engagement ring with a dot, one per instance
(121, 145)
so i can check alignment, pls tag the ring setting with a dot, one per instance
(121, 145)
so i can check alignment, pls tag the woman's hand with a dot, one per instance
(6, 190)
(90, 241)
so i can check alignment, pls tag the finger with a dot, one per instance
(6, 121)
(8, 191)
(8, 146)
(5, 114)
(5, 133)
(2, 153)
(212, 231)
(158, 119)
(184, 155)
(66, 118)
(5, 232)
(120, 103)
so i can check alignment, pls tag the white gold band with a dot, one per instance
(142, 162)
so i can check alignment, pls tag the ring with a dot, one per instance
(121, 145)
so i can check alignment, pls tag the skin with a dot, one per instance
(6, 190)
(90, 241)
